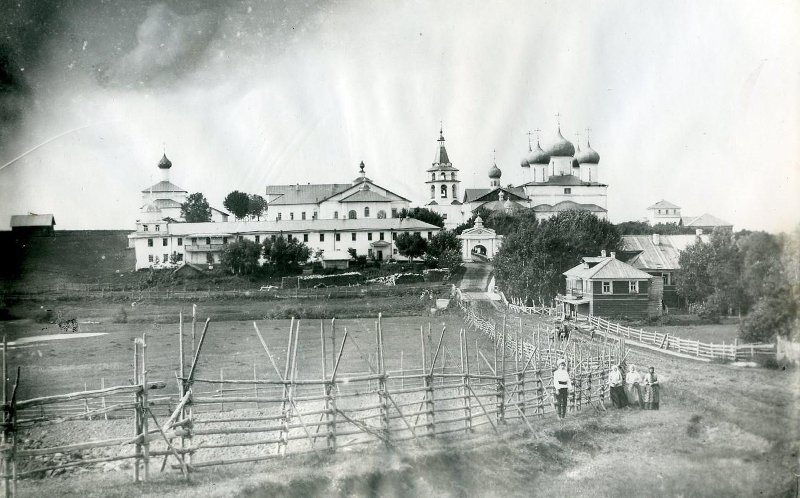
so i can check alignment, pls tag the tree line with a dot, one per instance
(196, 209)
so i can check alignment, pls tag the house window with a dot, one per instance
(433, 192)
(381, 214)
(444, 216)
(241, 238)
(158, 228)
(454, 189)
(258, 239)
(322, 237)
(369, 236)
(336, 215)
(224, 240)
(166, 257)
(164, 242)
(666, 278)
(305, 237)
(303, 215)
(659, 211)
(394, 236)
(279, 216)
(568, 190)
(338, 237)
(366, 212)
(273, 237)
(314, 215)
(633, 287)
(150, 258)
(149, 242)
(180, 241)
(606, 287)
(394, 251)
(351, 214)
(430, 235)
(194, 240)
(444, 191)
(291, 216)
(288, 237)
(394, 212)
(144, 227)
(179, 257)
(381, 236)
(353, 236)
(208, 241)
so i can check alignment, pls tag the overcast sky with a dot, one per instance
(694, 102)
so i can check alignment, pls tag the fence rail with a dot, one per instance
(732, 352)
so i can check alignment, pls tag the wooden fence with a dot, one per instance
(517, 305)
(274, 414)
(732, 352)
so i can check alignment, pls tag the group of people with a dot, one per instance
(633, 388)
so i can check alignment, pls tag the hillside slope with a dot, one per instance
(70, 257)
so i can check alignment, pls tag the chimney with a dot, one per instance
(699, 231)
(656, 239)
(613, 255)
(603, 253)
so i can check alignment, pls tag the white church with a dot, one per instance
(558, 178)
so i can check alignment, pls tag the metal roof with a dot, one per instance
(32, 220)
(163, 186)
(704, 221)
(662, 256)
(564, 180)
(662, 204)
(365, 196)
(567, 205)
(609, 268)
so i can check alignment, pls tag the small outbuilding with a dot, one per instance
(33, 224)
(336, 259)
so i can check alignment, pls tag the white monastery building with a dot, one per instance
(331, 218)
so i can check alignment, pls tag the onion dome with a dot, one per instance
(508, 206)
(494, 172)
(164, 163)
(561, 147)
(588, 155)
(524, 162)
(538, 156)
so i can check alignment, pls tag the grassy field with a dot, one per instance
(721, 430)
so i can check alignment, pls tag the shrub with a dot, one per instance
(44, 316)
(351, 278)
(121, 316)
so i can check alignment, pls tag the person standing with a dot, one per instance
(562, 384)
(633, 380)
(616, 386)
(651, 390)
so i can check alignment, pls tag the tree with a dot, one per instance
(645, 228)
(534, 256)
(445, 249)
(422, 214)
(286, 256)
(241, 257)
(411, 245)
(256, 206)
(501, 222)
(196, 209)
(237, 203)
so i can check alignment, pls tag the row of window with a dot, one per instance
(146, 228)
(443, 176)
(667, 211)
(166, 258)
(443, 191)
(338, 236)
(351, 215)
(633, 287)
(165, 241)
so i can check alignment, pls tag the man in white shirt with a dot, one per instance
(562, 384)
(616, 386)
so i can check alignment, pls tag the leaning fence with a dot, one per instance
(219, 421)
(668, 342)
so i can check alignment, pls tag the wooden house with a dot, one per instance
(605, 286)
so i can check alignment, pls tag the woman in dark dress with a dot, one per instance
(651, 390)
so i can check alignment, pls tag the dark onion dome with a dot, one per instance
(561, 147)
(164, 163)
(588, 155)
(524, 162)
(494, 172)
(538, 156)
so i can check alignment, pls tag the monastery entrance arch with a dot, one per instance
(479, 243)
(479, 249)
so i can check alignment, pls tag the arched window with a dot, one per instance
(455, 194)
(444, 176)
(453, 175)
(381, 214)
(208, 241)
(336, 215)
(444, 191)
(433, 176)
(366, 212)
(433, 192)
(352, 214)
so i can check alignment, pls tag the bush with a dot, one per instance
(436, 274)
(707, 311)
(121, 316)
(44, 316)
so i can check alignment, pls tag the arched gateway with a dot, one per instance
(479, 243)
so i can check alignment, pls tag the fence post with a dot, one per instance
(221, 392)
(145, 406)
(465, 380)
(736, 349)
(428, 381)
(382, 387)
(137, 411)
(6, 427)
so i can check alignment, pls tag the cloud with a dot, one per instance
(168, 46)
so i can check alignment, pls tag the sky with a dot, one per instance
(694, 102)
